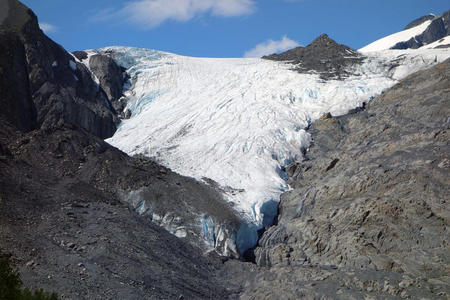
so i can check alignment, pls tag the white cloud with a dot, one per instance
(271, 46)
(48, 28)
(152, 13)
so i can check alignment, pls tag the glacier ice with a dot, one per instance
(238, 121)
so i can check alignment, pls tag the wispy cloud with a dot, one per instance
(48, 28)
(271, 46)
(152, 13)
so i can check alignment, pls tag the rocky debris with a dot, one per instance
(60, 88)
(64, 222)
(439, 28)
(102, 251)
(324, 56)
(319, 282)
(375, 224)
(182, 205)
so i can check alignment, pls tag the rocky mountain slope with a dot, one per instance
(36, 69)
(63, 215)
(368, 214)
(324, 56)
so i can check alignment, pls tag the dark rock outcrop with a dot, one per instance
(324, 56)
(420, 21)
(368, 215)
(15, 100)
(111, 77)
(81, 55)
(439, 28)
(61, 89)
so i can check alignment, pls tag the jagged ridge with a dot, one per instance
(324, 56)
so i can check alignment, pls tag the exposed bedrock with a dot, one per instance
(323, 56)
(369, 209)
(60, 88)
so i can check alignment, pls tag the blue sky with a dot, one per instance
(224, 28)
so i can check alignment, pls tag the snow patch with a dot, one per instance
(443, 41)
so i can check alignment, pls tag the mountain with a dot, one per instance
(423, 32)
(236, 124)
(64, 219)
(324, 56)
(323, 169)
(368, 212)
(42, 72)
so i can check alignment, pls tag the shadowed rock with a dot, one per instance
(61, 89)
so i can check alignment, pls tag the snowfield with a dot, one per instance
(240, 121)
(391, 40)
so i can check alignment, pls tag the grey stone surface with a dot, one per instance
(369, 211)
(111, 78)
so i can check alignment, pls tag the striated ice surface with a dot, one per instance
(238, 121)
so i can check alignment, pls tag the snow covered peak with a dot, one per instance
(393, 39)
(419, 33)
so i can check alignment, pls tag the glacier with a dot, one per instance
(240, 121)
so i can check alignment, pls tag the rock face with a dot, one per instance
(439, 28)
(324, 56)
(61, 89)
(419, 21)
(369, 212)
(110, 76)
(16, 102)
